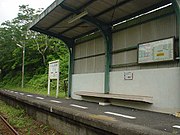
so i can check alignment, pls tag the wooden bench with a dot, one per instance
(146, 99)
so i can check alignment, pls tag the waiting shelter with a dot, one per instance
(124, 52)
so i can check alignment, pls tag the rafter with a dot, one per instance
(82, 7)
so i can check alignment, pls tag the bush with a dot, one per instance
(38, 81)
(11, 79)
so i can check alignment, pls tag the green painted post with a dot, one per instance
(107, 33)
(70, 70)
(176, 5)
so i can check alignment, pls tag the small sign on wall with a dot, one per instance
(128, 75)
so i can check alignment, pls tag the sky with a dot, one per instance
(9, 8)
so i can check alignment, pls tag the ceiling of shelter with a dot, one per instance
(55, 20)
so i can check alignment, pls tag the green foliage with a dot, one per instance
(24, 124)
(16, 116)
(39, 50)
(38, 81)
(11, 79)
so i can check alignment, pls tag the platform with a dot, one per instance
(80, 118)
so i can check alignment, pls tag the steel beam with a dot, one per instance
(63, 38)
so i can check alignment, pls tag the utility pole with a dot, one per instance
(23, 58)
(22, 83)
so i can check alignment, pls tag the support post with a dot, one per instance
(70, 70)
(176, 5)
(107, 34)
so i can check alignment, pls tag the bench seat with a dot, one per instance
(146, 99)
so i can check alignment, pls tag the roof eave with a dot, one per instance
(45, 13)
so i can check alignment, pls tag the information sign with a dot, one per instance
(156, 51)
(54, 70)
(53, 74)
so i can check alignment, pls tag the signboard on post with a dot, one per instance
(156, 51)
(53, 75)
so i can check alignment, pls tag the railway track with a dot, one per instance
(6, 128)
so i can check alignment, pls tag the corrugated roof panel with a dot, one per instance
(66, 25)
(72, 33)
(98, 7)
(119, 12)
(137, 5)
(107, 17)
(46, 22)
(126, 9)
(59, 12)
(84, 28)
(57, 30)
(75, 3)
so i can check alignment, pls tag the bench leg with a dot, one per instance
(104, 102)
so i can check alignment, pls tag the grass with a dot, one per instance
(37, 91)
(16, 116)
(24, 124)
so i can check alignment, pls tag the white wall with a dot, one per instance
(92, 82)
(162, 84)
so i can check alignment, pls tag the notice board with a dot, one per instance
(54, 69)
(156, 51)
(53, 74)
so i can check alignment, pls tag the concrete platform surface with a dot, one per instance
(115, 120)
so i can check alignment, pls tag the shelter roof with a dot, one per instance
(58, 19)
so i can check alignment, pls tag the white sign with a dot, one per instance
(54, 69)
(128, 75)
(156, 51)
(53, 74)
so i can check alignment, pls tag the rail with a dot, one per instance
(6, 128)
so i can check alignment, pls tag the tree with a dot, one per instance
(39, 48)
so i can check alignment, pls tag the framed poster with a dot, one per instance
(156, 51)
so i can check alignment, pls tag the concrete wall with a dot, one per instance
(93, 82)
(162, 84)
